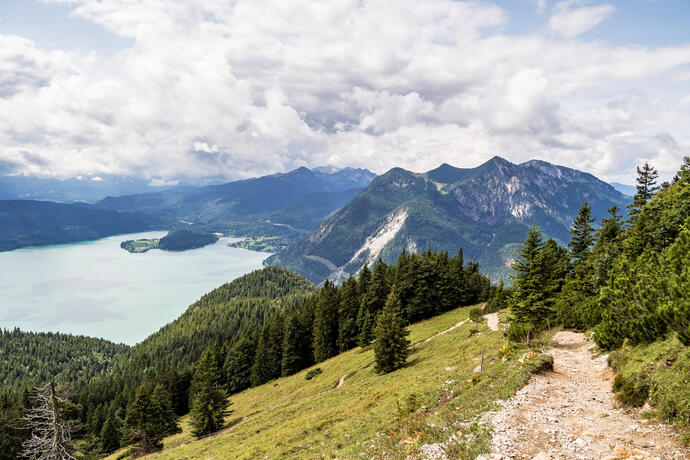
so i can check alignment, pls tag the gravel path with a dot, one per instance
(571, 413)
(492, 321)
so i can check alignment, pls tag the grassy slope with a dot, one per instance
(657, 372)
(296, 418)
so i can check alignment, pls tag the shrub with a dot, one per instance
(313, 373)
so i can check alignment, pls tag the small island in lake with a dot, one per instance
(261, 243)
(177, 240)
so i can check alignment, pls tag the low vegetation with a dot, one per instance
(261, 243)
(434, 396)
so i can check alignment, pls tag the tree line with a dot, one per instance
(262, 326)
(626, 280)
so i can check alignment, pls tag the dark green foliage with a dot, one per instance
(12, 430)
(110, 434)
(631, 392)
(313, 373)
(295, 337)
(646, 188)
(347, 314)
(476, 315)
(326, 323)
(499, 299)
(32, 358)
(238, 365)
(181, 240)
(209, 403)
(149, 418)
(581, 235)
(391, 343)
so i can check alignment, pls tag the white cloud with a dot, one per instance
(245, 88)
(570, 22)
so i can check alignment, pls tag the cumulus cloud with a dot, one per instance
(239, 89)
(569, 20)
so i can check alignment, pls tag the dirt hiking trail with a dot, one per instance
(571, 413)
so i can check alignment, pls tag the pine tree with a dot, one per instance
(366, 335)
(110, 435)
(149, 421)
(238, 365)
(325, 331)
(12, 430)
(646, 188)
(581, 234)
(608, 246)
(390, 347)
(293, 360)
(347, 315)
(261, 372)
(209, 403)
(162, 413)
(529, 300)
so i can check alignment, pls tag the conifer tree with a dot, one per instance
(293, 339)
(646, 188)
(366, 335)
(347, 315)
(12, 430)
(391, 343)
(208, 407)
(51, 431)
(528, 303)
(149, 418)
(110, 435)
(325, 333)
(581, 234)
(238, 365)
(608, 246)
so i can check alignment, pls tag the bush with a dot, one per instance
(476, 314)
(517, 332)
(631, 391)
(313, 373)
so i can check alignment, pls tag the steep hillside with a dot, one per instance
(34, 223)
(485, 210)
(287, 205)
(350, 411)
(32, 358)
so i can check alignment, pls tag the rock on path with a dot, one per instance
(571, 413)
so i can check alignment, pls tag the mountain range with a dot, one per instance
(485, 211)
(288, 205)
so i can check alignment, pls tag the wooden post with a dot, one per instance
(481, 363)
(529, 333)
(548, 322)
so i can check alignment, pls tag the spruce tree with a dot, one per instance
(110, 435)
(528, 303)
(293, 360)
(390, 347)
(162, 411)
(150, 418)
(646, 188)
(325, 333)
(608, 246)
(208, 407)
(12, 429)
(347, 315)
(581, 234)
(238, 365)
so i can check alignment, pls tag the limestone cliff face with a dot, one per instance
(486, 211)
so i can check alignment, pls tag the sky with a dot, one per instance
(184, 90)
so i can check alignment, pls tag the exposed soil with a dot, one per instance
(492, 321)
(341, 381)
(571, 413)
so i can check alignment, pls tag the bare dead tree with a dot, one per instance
(51, 435)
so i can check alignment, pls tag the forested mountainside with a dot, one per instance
(34, 223)
(485, 210)
(269, 323)
(33, 358)
(288, 205)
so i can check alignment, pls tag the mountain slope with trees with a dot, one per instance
(34, 223)
(627, 281)
(485, 210)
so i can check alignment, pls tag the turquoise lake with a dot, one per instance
(95, 288)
